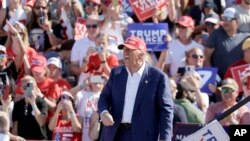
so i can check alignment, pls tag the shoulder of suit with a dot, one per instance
(118, 69)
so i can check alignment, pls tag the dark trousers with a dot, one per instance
(123, 133)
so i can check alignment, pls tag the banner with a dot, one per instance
(211, 132)
(144, 9)
(127, 8)
(154, 35)
(237, 73)
(208, 75)
(80, 28)
(183, 130)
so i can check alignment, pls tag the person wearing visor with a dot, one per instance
(229, 92)
(136, 94)
(65, 124)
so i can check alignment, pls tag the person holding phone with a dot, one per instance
(86, 105)
(102, 61)
(30, 113)
(65, 123)
(43, 34)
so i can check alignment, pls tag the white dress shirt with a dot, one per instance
(133, 82)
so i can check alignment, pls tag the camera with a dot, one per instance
(189, 69)
(29, 88)
(98, 49)
(41, 18)
(96, 79)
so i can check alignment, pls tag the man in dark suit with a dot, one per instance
(136, 104)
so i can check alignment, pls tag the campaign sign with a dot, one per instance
(127, 8)
(208, 75)
(154, 35)
(144, 9)
(80, 28)
(183, 130)
(236, 73)
(213, 131)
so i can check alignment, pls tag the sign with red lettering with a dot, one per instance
(237, 73)
(80, 28)
(144, 9)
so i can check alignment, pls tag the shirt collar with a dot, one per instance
(140, 71)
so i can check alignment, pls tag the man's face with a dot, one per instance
(40, 6)
(92, 27)
(184, 32)
(230, 24)
(133, 58)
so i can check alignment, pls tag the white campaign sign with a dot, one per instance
(210, 132)
(205, 76)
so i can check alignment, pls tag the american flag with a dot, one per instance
(57, 137)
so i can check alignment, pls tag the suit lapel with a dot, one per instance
(143, 85)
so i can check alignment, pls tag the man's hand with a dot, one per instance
(107, 119)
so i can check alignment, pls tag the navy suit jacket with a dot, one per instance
(153, 109)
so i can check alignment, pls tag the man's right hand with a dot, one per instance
(107, 119)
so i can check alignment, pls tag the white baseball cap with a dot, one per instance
(55, 61)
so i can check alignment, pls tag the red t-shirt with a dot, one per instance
(228, 73)
(64, 131)
(48, 87)
(95, 62)
(63, 84)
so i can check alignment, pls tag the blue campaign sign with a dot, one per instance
(208, 75)
(154, 35)
(127, 8)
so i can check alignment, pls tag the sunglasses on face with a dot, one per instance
(209, 24)
(227, 90)
(195, 56)
(228, 19)
(2, 56)
(92, 26)
(181, 27)
(39, 7)
(65, 97)
(91, 4)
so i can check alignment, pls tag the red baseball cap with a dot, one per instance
(186, 21)
(38, 63)
(134, 42)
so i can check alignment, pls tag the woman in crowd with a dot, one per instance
(65, 124)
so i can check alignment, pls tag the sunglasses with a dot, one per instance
(39, 7)
(65, 97)
(209, 24)
(2, 56)
(90, 4)
(195, 56)
(227, 90)
(228, 19)
(181, 27)
(92, 26)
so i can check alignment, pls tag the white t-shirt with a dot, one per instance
(80, 49)
(86, 104)
(176, 54)
(4, 137)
